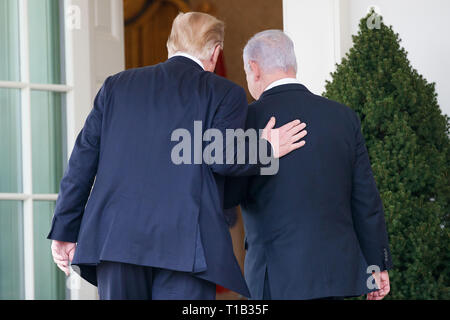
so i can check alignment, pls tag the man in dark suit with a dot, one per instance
(316, 229)
(153, 227)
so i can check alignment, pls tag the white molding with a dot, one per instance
(13, 85)
(337, 30)
(26, 153)
(345, 38)
(316, 28)
(78, 72)
(35, 86)
(92, 53)
(27, 196)
(79, 99)
(50, 87)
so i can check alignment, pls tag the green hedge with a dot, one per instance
(408, 141)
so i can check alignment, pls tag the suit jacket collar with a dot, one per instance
(283, 88)
(186, 61)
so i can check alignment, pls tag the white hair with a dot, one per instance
(273, 50)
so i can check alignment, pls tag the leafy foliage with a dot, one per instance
(407, 137)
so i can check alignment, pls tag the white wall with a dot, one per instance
(312, 26)
(423, 25)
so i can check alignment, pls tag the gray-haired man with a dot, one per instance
(316, 229)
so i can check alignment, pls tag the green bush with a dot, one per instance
(407, 138)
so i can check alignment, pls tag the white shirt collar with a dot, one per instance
(282, 82)
(186, 55)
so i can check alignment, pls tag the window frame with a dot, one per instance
(25, 86)
(84, 44)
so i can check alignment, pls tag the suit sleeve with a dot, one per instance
(235, 191)
(232, 114)
(236, 187)
(367, 209)
(79, 176)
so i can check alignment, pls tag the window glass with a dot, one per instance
(11, 250)
(9, 40)
(45, 41)
(10, 141)
(49, 281)
(47, 122)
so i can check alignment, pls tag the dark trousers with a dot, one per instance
(268, 296)
(122, 281)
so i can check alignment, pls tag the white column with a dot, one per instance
(95, 50)
(28, 229)
(316, 26)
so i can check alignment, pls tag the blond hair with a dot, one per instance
(197, 34)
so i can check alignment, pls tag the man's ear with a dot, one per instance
(215, 55)
(256, 71)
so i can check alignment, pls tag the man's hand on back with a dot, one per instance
(286, 138)
(63, 254)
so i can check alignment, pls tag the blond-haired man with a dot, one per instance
(152, 226)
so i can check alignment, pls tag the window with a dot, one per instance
(33, 140)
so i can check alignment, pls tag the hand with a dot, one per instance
(382, 280)
(63, 254)
(284, 139)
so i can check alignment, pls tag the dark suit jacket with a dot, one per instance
(316, 225)
(143, 209)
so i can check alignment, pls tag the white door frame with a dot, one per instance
(319, 29)
(94, 50)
